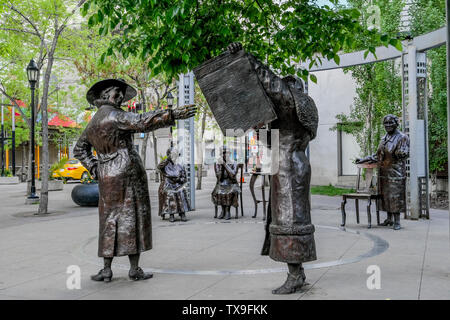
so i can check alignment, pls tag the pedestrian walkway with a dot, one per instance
(206, 258)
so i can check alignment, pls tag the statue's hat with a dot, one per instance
(94, 92)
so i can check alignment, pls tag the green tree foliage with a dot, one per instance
(378, 90)
(41, 25)
(175, 36)
(429, 15)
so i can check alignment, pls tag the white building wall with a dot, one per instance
(333, 94)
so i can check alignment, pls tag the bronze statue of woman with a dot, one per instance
(124, 202)
(226, 192)
(391, 158)
(289, 230)
(172, 193)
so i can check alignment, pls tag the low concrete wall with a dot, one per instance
(53, 185)
(346, 182)
(9, 180)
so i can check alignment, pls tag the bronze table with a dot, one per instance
(253, 179)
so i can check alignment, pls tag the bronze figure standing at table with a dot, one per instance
(226, 192)
(124, 202)
(289, 231)
(172, 193)
(391, 157)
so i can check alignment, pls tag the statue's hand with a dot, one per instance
(185, 112)
(234, 47)
(94, 173)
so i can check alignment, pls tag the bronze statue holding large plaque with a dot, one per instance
(283, 103)
(391, 158)
(124, 202)
(226, 192)
(173, 198)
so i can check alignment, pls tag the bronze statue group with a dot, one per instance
(124, 204)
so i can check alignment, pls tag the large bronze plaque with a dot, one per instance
(234, 93)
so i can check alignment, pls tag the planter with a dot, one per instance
(53, 185)
(86, 195)
(9, 180)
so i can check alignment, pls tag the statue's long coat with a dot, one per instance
(124, 203)
(173, 198)
(291, 232)
(391, 156)
(226, 192)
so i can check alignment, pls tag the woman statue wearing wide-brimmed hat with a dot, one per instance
(124, 203)
(391, 157)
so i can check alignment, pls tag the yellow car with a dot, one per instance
(73, 169)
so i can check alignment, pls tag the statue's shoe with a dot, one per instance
(183, 217)
(172, 218)
(387, 222)
(293, 284)
(103, 275)
(139, 274)
(397, 221)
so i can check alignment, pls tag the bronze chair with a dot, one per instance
(241, 168)
(367, 192)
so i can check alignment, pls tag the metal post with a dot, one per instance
(412, 110)
(185, 132)
(33, 186)
(246, 153)
(13, 140)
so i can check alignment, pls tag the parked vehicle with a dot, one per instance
(73, 169)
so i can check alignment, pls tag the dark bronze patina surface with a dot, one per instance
(237, 102)
(391, 157)
(173, 198)
(226, 192)
(124, 203)
(290, 233)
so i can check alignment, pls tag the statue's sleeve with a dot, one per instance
(182, 175)
(83, 152)
(161, 166)
(231, 169)
(217, 170)
(144, 122)
(402, 150)
(273, 85)
(283, 97)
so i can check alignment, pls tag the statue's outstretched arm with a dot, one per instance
(144, 122)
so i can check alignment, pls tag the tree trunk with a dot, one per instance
(43, 202)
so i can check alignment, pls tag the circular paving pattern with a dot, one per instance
(34, 214)
(379, 246)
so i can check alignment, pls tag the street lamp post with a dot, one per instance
(170, 105)
(32, 74)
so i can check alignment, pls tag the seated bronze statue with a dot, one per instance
(391, 158)
(172, 193)
(226, 192)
